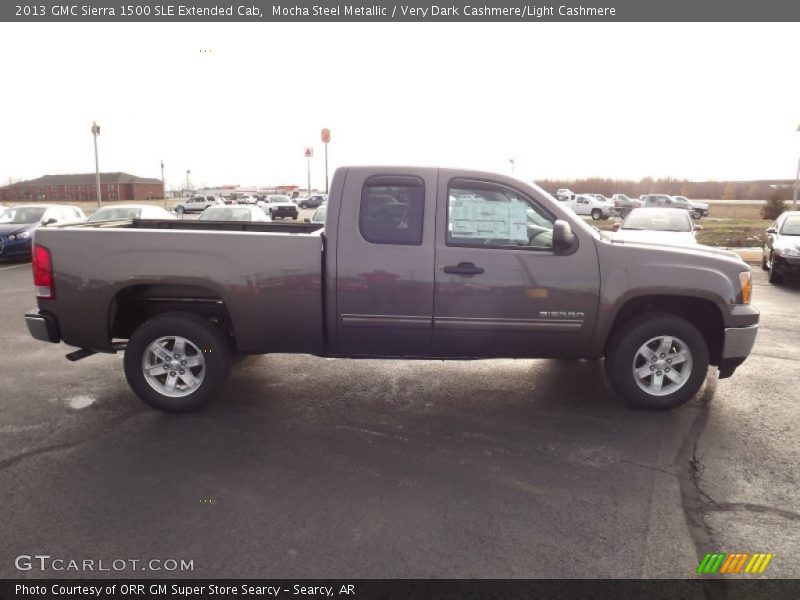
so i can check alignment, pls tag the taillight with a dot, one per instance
(43, 273)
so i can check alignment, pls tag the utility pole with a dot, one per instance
(326, 137)
(163, 184)
(95, 133)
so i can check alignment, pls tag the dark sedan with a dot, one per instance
(17, 224)
(781, 253)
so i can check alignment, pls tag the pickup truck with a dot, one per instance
(696, 209)
(623, 204)
(589, 205)
(411, 262)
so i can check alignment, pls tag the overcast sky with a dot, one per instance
(697, 101)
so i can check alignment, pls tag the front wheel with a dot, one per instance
(774, 277)
(657, 361)
(596, 214)
(697, 215)
(177, 362)
(180, 210)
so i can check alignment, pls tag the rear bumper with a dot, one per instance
(42, 326)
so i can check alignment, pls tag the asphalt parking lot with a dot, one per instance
(311, 467)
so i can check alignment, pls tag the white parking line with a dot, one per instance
(13, 267)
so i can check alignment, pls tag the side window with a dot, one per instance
(392, 210)
(482, 214)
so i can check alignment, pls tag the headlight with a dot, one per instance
(24, 235)
(746, 283)
(787, 251)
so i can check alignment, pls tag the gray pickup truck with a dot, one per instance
(411, 262)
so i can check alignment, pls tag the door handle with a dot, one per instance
(463, 268)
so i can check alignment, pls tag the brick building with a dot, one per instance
(77, 188)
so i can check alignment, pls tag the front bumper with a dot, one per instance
(786, 265)
(15, 248)
(736, 347)
(42, 326)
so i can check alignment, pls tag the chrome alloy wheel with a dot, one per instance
(173, 366)
(662, 365)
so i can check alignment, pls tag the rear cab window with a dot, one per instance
(392, 210)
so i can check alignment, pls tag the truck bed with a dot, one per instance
(266, 278)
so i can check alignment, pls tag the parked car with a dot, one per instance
(279, 206)
(197, 204)
(18, 223)
(601, 198)
(318, 216)
(564, 194)
(588, 205)
(781, 253)
(130, 211)
(312, 201)
(234, 213)
(624, 204)
(447, 272)
(696, 209)
(657, 226)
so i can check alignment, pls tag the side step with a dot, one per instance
(79, 354)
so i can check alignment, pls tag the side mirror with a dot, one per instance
(772, 230)
(616, 227)
(696, 227)
(49, 221)
(563, 237)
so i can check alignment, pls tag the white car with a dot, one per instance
(240, 212)
(198, 204)
(588, 205)
(130, 211)
(672, 226)
(697, 209)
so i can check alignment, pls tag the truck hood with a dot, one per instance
(686, 250)
(699, 205)
(680, 238)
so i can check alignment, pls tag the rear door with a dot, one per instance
(501, 289)
(384, 285)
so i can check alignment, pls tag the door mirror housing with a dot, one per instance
(49, 221)
(696, 227)
(563, 238)
(772, 230)
(616, 227)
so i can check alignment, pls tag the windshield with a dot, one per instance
(791, 226)
(116, 212)
(319, 215)
(22, 215)
(226, 214)
(279, 199)
(657, 220)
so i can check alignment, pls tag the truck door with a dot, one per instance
(384, 285)
(501, 289)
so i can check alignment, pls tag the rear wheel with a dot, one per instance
(697, 215)
(177, 362)
(596, 214)
(657, 361)
(180, 210)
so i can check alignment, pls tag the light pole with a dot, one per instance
(511, 161)
(188, 172)
(796, 180)
(326, 137)
(95, 133)
(163, 185)
(309, 154)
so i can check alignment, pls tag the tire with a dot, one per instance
(205, 345)
(596, 214)
(774, 277)
(294, 218)
(180, 210)
(303, 205)
(697, 215)
(764, 260)
(626, 352)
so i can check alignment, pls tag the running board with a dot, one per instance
(79, 354)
